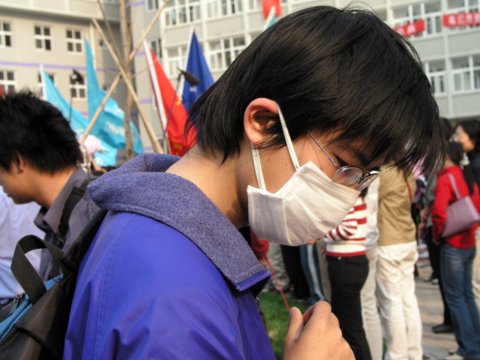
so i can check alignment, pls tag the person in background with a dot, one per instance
(397, 255)
(370, 315)
(16, 221)
(40, 161)
(457, 253)
(347, 271)
(467, 133)
(180, 280)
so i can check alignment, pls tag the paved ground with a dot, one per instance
(435, 346)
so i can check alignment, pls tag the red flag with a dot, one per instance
(1, 90)
(268, 4)
(410, 29)
(172, 113)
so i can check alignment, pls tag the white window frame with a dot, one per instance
(78, 90)
(467, 75)
(8, 85)
(76, 43)
(40, 82)
(5, 34)
(433, 19)
(156, 46)
(221, 8)
(221, 57)
(152, 5)
(437, 78)
(182, 12)
(466, 8)
(176, 60)
(43, 38)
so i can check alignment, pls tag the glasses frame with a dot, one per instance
(359, 182)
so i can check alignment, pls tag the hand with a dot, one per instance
(315, 336)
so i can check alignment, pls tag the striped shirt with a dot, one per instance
(349, 237)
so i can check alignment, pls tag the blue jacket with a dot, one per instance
(167, 276)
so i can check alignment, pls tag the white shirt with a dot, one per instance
(16, 221)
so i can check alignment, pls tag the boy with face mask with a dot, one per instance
(287, 138)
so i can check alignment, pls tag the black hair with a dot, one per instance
(329, 70)
(37, 131)
(448, 128)
(472, 129)
(455, 154)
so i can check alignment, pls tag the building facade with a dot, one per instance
(450, 52)
(50, 34)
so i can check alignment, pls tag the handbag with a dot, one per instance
(461, 214)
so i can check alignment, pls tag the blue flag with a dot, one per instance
(197, 66)
(106, 156)
(110, 124)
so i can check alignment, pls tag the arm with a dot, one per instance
(345, 229)
(443, 197)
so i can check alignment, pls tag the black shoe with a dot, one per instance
(442, 329)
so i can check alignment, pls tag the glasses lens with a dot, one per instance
(348, 176)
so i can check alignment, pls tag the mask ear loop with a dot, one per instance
(258, 167)
(291, 150)
(288, 140)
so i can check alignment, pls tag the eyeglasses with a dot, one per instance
(350, 176)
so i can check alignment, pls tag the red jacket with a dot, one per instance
(445, 195)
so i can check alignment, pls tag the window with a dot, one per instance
(230, 7)
(7, 81)
(152, 5)
(77, 88)
(435, 71)
(182, 12)
(466, 73)
(430, 12)
(74, 41)
(43, 38)
(176, 59)
(223, 52)
(40, 82)
(218, 8)
(463, 5)
(5, 34)
(156, 46)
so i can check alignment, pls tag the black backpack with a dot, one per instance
(36, 325)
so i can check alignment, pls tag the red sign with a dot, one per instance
(461, 19)
(414, 28)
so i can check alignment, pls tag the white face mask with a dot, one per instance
(305, 208)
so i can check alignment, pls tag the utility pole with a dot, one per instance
(127, 47)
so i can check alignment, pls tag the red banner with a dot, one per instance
(461, 19)
(414, 28)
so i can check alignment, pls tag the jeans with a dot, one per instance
(457, 281)
(311, 270)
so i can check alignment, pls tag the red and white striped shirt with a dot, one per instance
(349, 237)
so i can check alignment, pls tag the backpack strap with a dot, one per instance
(25, 273)
(23, 270)
(75, 196)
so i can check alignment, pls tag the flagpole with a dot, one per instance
(127, 82)
(116, 81)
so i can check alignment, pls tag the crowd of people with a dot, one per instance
(319, 162)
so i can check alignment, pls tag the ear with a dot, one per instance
(260, 115)
(19, 164)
